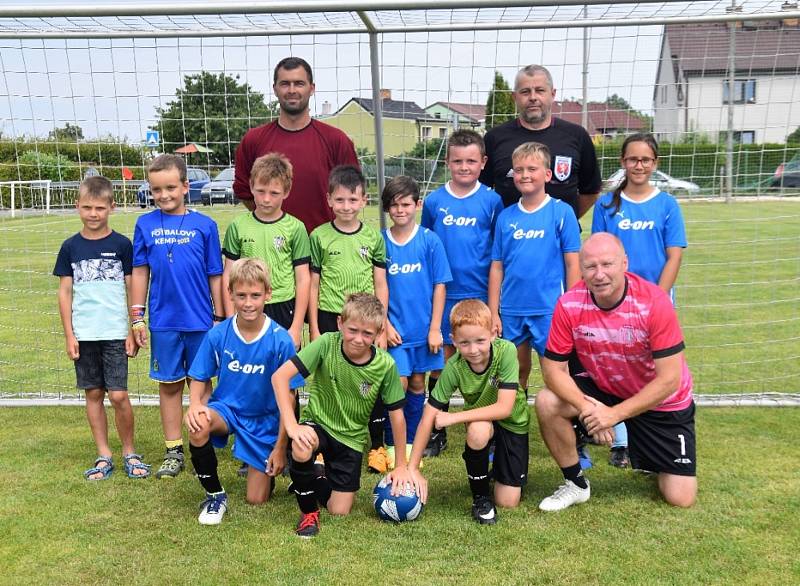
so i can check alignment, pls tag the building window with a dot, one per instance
(744, 91)
(744, 136)
(443, 132)
(426, 133)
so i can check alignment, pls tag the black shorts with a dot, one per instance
(659, 441)
(342, 463)
(510, 466)
(281, 313)
(102, 365)
(326, 320)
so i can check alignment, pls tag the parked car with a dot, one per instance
(220, 190)
(197, 180)
(787, 174)
(658, 179)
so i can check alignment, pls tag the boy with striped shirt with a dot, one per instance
(348, 256)
(350, 375)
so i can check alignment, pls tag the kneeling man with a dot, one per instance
(626, 334)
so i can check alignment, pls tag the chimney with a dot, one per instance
(386, 94)
(326, 108)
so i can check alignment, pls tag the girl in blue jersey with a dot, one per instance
(649, 223)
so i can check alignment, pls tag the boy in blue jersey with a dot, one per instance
(416, 272)
(242, 352)
(534, 258)
(94, 269)
(177, 255)
(462, 213)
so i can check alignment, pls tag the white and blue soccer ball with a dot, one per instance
(403, 507)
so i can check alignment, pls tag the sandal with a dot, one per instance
(97, 469)
(132, 466)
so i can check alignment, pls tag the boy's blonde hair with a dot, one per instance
(166, 162)
(470, 312)
(97, 187)
(532, 149)
(363, 307)
(249, 270)
(272, 166)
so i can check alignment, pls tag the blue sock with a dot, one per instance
(412, 411)
(620, 436)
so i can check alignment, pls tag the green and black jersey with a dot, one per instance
(345, 261)
(342, 393)
(480, 389)
(283, 244)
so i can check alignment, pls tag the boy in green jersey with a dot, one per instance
(277, 238)
(485, 370)
(350, 374)
(348, 256)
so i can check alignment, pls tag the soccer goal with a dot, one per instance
(17, 197)
(102, 85)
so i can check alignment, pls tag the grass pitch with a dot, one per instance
(56, 528)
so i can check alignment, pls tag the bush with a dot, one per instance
(33, 165)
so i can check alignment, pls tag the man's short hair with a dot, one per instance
(465, 137)
(272, 166)
(167, 162)
(532, 149)
(363, 307)
(530, 71)
(289, 63)
(249, 270)
(399, 186)
(97, 187)
(347, 176)
(470, 312)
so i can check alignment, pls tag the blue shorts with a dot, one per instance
(172, 353)
(255, 436)
(448, 307)
(534, 328)
(414, 359)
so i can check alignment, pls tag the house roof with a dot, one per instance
(392, 108)
(475, 112)
(602, 117)
(703, 48)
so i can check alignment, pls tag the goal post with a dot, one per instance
(21, 195)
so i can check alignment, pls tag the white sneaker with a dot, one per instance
(566, 495)
(213, 509)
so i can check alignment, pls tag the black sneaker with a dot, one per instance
(308, 525)
(483, 510)
(436, 445)
(619, 457)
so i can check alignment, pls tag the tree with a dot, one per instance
(794, 137)
(213, 111)
(67, 133)
(500, 106)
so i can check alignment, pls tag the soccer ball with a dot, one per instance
(404, 507)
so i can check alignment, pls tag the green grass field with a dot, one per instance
(57, 528)
(737, 298)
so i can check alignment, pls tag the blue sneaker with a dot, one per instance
(213, 508)
(584, 458)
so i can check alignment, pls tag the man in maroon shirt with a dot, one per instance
(313, 147)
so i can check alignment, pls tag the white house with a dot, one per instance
(691, 91)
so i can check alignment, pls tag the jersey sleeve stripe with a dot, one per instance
(398, 405)
(301, 261)
(669, 351)
(379, 264)
(301, 368)
(437, 404)
(317, 270)
(556, 356)
(230, 255)
(512, 386)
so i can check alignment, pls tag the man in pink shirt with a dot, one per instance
(626, 334)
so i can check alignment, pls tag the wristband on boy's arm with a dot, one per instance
(138, 324)
(217, 318)
(137, 312)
